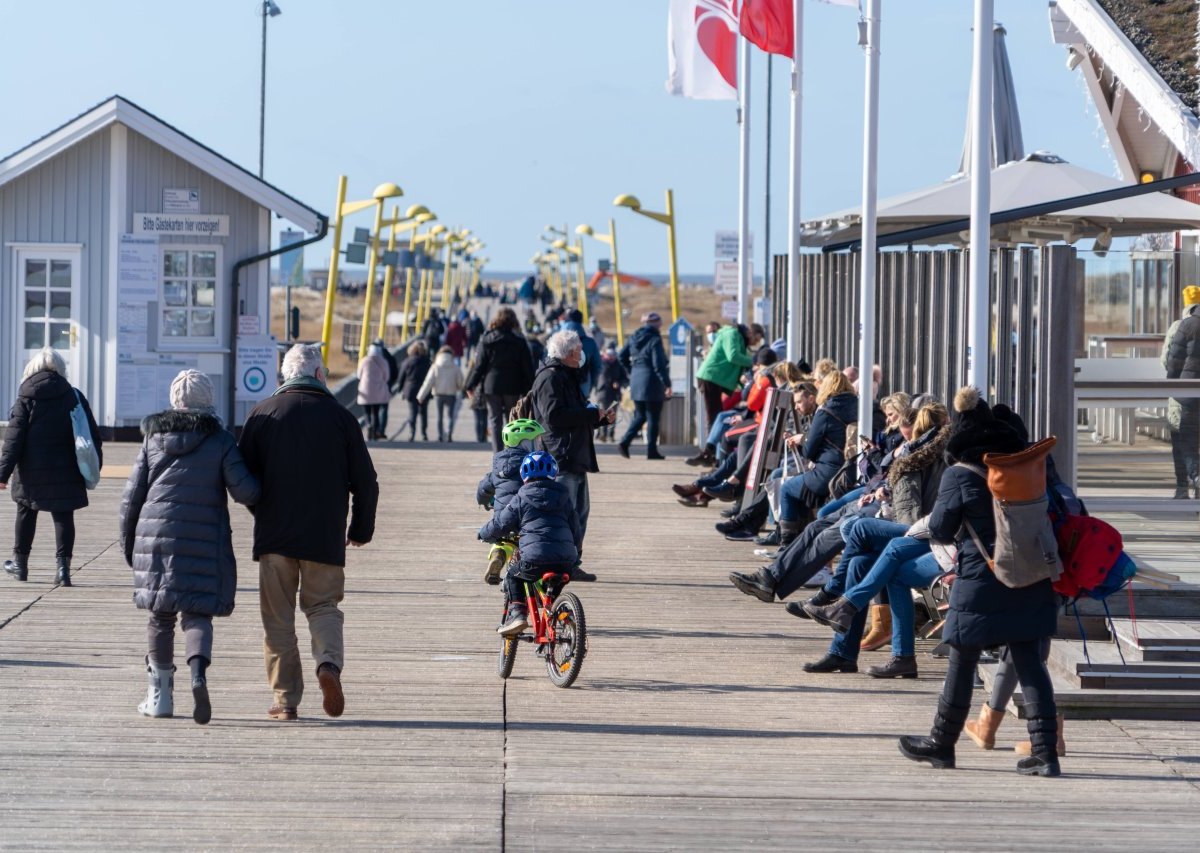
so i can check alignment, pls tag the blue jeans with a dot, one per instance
(717, 433)
(720, 474)
(905, 564)
(577, 486)
(792, 503)
(834, 506)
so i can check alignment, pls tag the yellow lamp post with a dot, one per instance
(667, 219)
(382, 193)
(576, 251)
(397, 223)
(342, 209)
(433, 245)
(448, 272)
(420, 219)
(611, 239)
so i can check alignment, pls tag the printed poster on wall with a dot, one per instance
(138, 380)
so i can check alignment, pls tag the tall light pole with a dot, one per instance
(668, 219)
(269, 10)
(611, 239)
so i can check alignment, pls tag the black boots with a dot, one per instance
(201, 707)
(796, 608)
(938, 748)
(760, 584)
(706, 457)
(898, 666)
(18, 567)
(832, 663)
(64, 574)
(1043, 738)
(836, 615)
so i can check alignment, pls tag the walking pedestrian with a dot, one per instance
(444, 380)
(39, 459)
(645, 360)
(503, 370)
(412, 375)
(175, 535)
(310, 457)
(1181, 358)
(374, 391)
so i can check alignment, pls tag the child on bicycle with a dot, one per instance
(543, 516)
(501, 484)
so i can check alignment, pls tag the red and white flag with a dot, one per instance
(770, 24)
(702, 42)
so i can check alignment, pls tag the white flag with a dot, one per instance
(702, 45)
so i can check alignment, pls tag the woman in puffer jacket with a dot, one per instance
(984, 613)
(176, 537)
(444, 380)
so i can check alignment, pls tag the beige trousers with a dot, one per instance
(321, 587)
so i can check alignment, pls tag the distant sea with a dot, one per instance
(358, 276)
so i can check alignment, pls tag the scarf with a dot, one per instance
(302, 382)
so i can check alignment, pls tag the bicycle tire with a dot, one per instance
(564, 657)
(508, 655)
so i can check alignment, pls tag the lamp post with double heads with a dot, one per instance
(668, 219)
(269, 10)
(576, 251)
(397, 223)
(382, 193)
(611, 239)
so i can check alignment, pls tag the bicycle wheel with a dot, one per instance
(564, 657)
(508, 654)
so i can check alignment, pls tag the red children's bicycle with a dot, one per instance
(559, 630)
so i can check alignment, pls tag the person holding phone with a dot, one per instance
(644, 358)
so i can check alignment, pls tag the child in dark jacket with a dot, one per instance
(501, 484)
(543, 516)
(613, 377)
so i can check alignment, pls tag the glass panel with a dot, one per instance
(203, 324)
(175, 324)
(60, 306)
(175, 264)
(60, 336)
(1129, 452)
(60, 274)
(35, 335)
(204, 264)
(204, 294)
(175, 293)
(35, 273)
(35, 304)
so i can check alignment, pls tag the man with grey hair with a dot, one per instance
(308, 452)
(563, 410)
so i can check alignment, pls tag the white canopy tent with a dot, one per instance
(1038, 178)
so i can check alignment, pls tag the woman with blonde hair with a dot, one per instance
(41, 462)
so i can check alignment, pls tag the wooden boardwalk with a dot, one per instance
(691, 727)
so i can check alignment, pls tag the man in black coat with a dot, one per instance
(1181, 358)
(645, 361)
(569, 420)
(308, 452)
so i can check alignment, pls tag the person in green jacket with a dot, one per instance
(727, 359)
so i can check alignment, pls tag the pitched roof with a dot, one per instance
(1165, 32)
(121, 110)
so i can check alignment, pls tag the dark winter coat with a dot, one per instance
(39, 445)
(499, 485)
(646, 362)
(613, 378)
(983, 611)
(543, 518)
(560, 407)
(456, 338)
(1183, 349)
(915, 478)
(475, 331)
(412, 374)
(503, 365)
(393, 368)
(174, 517)
(591, 354)
(537, 352)
(308, 452)
(824, 444)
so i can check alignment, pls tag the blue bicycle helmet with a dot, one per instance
(538, 465)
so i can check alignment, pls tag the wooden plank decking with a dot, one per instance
(691, 727)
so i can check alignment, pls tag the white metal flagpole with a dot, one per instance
(979, 304)
(793, 279)
(866, 284)
(744, 261)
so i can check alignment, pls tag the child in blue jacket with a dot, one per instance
(543, 516)
(501, 484)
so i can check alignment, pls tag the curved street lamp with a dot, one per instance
(611, 239)
(668, 219)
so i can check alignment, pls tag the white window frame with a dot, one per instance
(173, 343)
(76, 354)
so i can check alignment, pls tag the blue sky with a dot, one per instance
(505, 115)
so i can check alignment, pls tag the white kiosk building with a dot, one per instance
(120, 243)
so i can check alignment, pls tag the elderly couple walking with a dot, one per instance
(300, 466)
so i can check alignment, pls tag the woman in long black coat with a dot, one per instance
(984, 613)
(39, 458)
(503, 371)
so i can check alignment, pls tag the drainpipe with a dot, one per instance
(235, 306)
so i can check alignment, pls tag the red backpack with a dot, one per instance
(1089, 548)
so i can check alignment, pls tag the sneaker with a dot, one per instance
(766, 553)
(741, 534)
(729, 513)
(722, 491)
(655, 456)
(495, 565)
(704, 458)
(819, 579)
(330, 680)
(727, 526)
(278, 712)
(771, 538)
(515, 620)
(579, 574)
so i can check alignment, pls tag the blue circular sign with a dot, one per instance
(254, 379)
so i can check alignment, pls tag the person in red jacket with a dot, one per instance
(456, 339)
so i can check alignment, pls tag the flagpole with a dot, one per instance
(793, 270)
(744, 260)
(866, 285)
(979, 305)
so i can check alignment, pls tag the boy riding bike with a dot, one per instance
(501, 484)
(543, 517)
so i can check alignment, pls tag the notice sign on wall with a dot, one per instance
(257, 368)
(182, 224)
(180, 200)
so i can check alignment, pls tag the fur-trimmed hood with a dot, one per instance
(180, 432)
(927, 454)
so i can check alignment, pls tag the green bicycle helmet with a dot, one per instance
(521, 429)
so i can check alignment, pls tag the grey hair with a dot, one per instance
(45, 359)
(562, 344)
(301, 360)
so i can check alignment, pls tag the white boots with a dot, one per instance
(160, 683)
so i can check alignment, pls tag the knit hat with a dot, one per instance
(970, 408)
(192, 391)
(651, 319)
(1191, 295)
